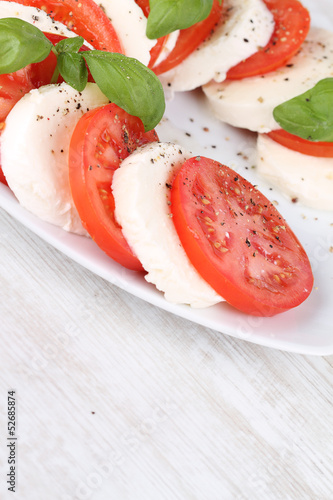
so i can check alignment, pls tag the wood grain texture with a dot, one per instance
(118, 399)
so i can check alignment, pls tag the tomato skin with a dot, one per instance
(189, 39)
(292, 24)
(103, 138)
(2, 175)
(310, 148)
(237, 240)
(85, 18)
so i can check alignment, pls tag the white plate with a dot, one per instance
(307, 329)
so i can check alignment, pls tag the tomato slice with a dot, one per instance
(292, 23)
(2, 175)
(188, 40)
(237, 240)
(85, 18)
(103, 138)
(311, 148)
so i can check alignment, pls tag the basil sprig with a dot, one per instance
(170, 15)
(124, 80)
(309, 115)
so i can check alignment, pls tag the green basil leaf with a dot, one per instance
(72, 68)
(129, 84)
(309, 115)
(70, 44)
(21, 44)
(170, 15)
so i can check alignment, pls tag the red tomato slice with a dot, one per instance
(2, 175)
(188, 40)
(103, 138)
(85, 18)
(237, 240)
(292, 23)
(311, 148)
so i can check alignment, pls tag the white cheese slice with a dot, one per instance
(246, 25)
(249, 103)
(130, 24)
(35, 16)
(304, 178)
(34, 150)
(140, 188)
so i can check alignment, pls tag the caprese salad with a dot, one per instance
(195, 228)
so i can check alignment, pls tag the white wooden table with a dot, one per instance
(117, 399)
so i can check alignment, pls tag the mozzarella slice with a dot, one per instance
(35, 16)
(246, 25)
(307, 179)
(249, 103)
(130, 24)
(141, 190)
(34, 150)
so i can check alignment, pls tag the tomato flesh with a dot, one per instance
(188, 40)
(292, 24)
(85, 18)
(311, 148)
(103, 138)
(237, 240)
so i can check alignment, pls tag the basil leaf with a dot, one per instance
(70, 44)
(309, 115)
(21, 44)
(170, 15)
(72, 68)
(129, 84)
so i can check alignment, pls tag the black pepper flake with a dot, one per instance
(126, 137)
(247, 241)
(169, 186)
